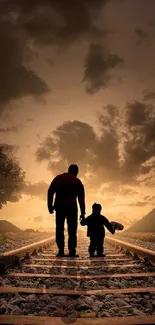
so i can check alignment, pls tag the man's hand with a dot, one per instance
(51, 209)
(82, 216)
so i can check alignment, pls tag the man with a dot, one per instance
(67, 188)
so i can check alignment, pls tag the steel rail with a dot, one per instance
(20, 252)
(142, 253)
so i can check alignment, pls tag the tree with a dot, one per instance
(12, 178)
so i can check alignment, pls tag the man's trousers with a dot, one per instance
(69, 213)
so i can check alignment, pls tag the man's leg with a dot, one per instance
(72, 222)
(100, 246)
(92, 246)
(60, 240)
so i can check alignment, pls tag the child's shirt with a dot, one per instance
(95, 225)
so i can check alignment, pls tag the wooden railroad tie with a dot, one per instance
(107, 255)
(39, 320)
(101, 267)
(70, 276)
(84, 260)
(10, 289)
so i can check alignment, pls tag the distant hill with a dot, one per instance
(146, 224)
(6, 226)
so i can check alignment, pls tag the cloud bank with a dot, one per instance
(122, 153)
(99, 64)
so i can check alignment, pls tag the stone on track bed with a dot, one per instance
(79, 284)
(78, 306)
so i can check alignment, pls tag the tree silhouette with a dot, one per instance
(12, 178)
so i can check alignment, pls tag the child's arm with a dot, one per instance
(108, 225)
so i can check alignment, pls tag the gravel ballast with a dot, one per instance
(78, 306)
(107, 305)
(6, 247)
(82, 284)
(137, 242)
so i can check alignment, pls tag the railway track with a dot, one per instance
(38, 288)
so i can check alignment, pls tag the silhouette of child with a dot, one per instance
(95, 229)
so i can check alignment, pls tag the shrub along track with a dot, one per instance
(38, 288)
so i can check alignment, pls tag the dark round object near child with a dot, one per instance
(117, 225)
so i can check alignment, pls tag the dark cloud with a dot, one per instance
(146, 197)
(58, 22)
(50, 62)
(149, 181)
(13, 129)
(142, 36)
(139, 147)
(127, 191)
(38, 219)
(17, 79)
(36, 190)
(77, 142)
(60, 151)
(110, 157)
(117, 190)
(138, 204)
(136, 114)
(149, 95)
(146, 169)
(151, 23)
(42, 22)
(149, 198)
(48, 150)
(29, 119)
(98, 65)
(9, 149)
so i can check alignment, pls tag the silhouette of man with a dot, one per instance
(67, 188)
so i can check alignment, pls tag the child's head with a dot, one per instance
(96, 208)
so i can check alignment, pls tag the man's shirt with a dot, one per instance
(67, 188)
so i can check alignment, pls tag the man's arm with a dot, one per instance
(81, 197)
(50, 193)
(108, 225)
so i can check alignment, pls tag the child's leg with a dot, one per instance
(103, 244)
(100, 246)
(92, 246)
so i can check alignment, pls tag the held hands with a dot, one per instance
(82, 216)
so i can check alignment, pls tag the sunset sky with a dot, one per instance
(78, 86)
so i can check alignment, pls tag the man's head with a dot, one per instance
(96, 208)
(73, 169)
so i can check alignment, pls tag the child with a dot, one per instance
(96, 231)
